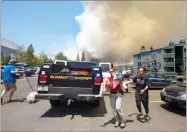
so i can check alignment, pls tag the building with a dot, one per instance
(167, 60)
(8, 48)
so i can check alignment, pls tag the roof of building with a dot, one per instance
(171, 45)
(9, 44)
(147, 52)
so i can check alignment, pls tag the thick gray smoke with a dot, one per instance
(117, 29)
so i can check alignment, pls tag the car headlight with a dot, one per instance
(183, 96)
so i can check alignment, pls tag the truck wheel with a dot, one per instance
(54, 103)
(95, 103)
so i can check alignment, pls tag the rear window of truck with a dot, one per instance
(81, 64)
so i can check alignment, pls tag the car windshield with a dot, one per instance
(19, 67)
(105, 67)
(60, 63)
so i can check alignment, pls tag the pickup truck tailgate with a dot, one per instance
(81, 81)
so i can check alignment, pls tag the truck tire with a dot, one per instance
(54, 103)
(95, 103)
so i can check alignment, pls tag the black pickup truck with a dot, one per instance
(74, 81)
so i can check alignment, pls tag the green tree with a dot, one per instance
(21, 54)
(61, 56)
(78, 58)
(30, 58)
(142, 47)
(83, 57)
(151, 48)
(2, 58)
(50, 61)
(183, 69)
(30, 51)
(43, 58)
(6, 60)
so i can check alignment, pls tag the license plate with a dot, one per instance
(43, 88)
(167, 99)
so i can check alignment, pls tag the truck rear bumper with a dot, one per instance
(86, 97)
(48, 96)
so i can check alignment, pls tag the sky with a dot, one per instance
(49, 25)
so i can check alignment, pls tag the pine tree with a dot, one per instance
(143, 48)
(83, 57)
(151, 48)
(78, 58)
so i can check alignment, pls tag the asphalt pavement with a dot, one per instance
(22, 116)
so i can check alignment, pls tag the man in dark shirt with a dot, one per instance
(141, 94)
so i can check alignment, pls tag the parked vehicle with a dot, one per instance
(20, 68)
(160, 81)
(76, 81)
(28, 71)
(33, 69)
(175, 95)
(2, 70)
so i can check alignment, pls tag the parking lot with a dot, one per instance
(22, 116)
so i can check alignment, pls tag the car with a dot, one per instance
(28, 71)
(2, 70)
(160, 81)
(75, 82)
(33, 69)
(175, 95)
(20, 68)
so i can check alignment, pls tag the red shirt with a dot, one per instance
(116, 89)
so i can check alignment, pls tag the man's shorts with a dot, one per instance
(9, 87)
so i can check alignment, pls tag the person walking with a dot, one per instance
(114, 85)
(142, 93)
(9, 80)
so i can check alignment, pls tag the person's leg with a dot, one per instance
(145, 102)
(102, 88)
(13, 88)
(6, 89)
(120, 111)
(138, 105)
(113, 107)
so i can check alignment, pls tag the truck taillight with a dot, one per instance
(97, 81)
(43, 79)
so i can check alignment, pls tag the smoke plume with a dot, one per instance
(112, 30)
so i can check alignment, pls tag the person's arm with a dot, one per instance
(14, 71)
(120, 81)
(134, 79)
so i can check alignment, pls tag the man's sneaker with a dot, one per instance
(141, 116)
(123, 125)
(116, 124)
(148, 118)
